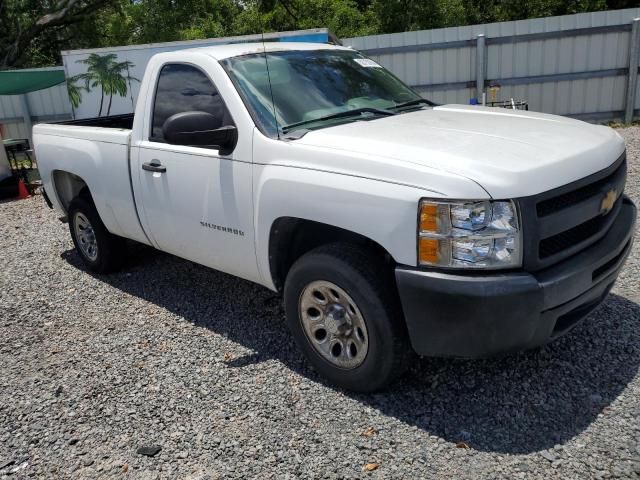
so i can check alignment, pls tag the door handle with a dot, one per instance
(154, 166)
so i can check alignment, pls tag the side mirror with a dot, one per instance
(200, 129)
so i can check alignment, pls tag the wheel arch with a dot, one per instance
(67, 186)
(292, 237)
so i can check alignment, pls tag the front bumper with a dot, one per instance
(477, 315)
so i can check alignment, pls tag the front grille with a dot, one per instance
(561, 222)
(569, 238)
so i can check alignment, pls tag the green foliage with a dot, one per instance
(32, 32)
(503, 10)
(403, 15)
(102, 23)
(150, 21)
(343, 17)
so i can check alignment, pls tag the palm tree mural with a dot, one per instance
(74, 91)
(118, 79)
(105, 72)
(97, 73)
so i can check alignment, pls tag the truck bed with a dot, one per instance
(95, 152)
(115, 129)
(113, 121)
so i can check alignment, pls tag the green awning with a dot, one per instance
(16, 82)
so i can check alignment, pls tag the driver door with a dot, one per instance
(195, 202)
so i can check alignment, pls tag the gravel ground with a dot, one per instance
(169, 354)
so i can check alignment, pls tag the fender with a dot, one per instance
(332, 187)
(382, 212)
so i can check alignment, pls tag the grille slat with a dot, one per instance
(568, 199)
(572, 237)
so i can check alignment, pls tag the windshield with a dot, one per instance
(313, 89)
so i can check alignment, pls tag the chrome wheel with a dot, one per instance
(333, 324)
(85, 236)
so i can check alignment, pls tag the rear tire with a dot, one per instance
(344, 313)
(100, 251)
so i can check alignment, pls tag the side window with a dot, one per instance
(183, 88)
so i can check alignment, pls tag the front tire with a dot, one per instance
(343, 311)
(100, 251)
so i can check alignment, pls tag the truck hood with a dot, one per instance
(509, 153)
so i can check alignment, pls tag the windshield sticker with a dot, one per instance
(366, 62)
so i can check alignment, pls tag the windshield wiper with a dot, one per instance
(345, 114)
(411, 103)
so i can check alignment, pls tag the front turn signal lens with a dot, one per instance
(429, 217)
(429, 251)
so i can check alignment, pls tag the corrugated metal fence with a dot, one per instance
(575, 65)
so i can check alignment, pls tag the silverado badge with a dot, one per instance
(608, 201)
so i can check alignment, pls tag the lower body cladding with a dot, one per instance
(477, 315)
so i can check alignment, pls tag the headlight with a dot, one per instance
(482, 234)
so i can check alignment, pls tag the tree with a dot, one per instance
(405, 15)
(485, 11)
(27, 23)
(169, 20)
(343, 17)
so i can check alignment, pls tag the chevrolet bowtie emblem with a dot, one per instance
(608, 202)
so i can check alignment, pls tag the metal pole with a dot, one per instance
(26, 115)
(5, 166)
(632, 82)
(481, 73)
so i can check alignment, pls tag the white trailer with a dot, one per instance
(135, 59)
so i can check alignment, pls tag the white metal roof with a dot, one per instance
(220, 52)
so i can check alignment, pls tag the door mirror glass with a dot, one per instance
(200, 129)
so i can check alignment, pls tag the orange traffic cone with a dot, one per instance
(22, 190)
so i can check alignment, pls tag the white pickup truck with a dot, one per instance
(391, 225)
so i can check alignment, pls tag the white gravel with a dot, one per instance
(170, 354)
